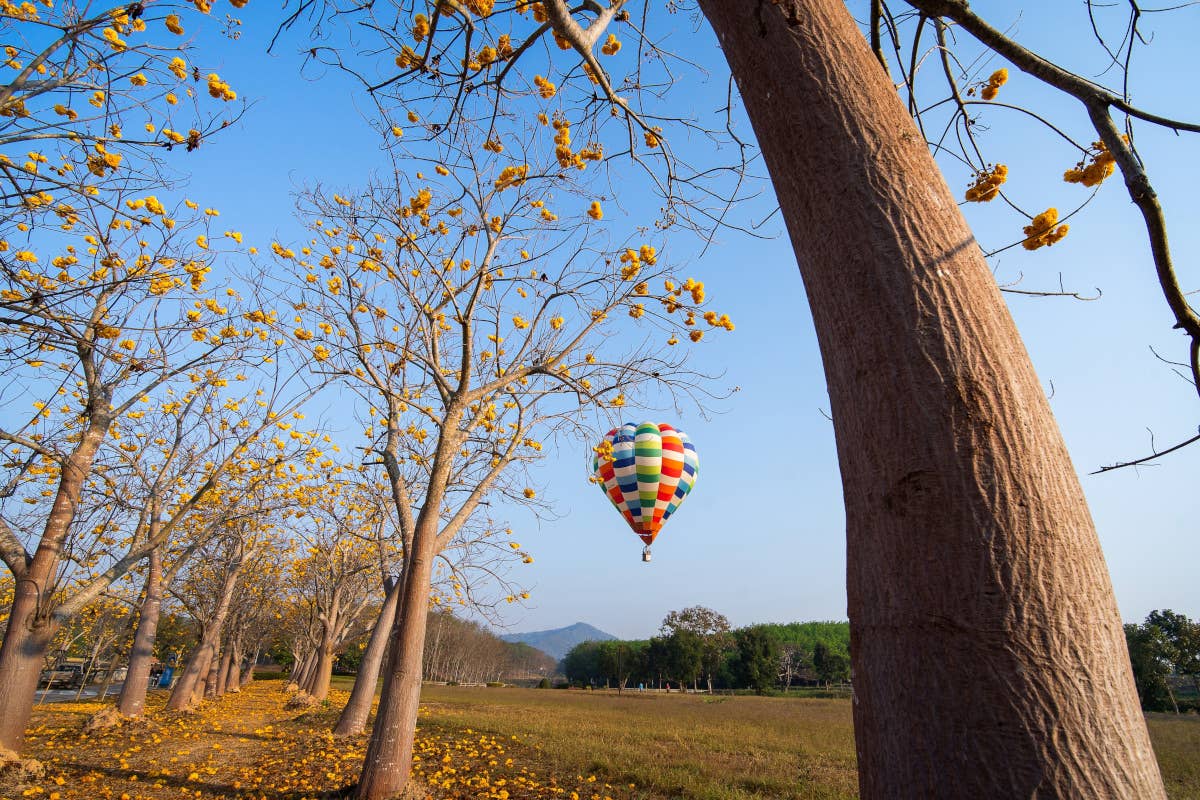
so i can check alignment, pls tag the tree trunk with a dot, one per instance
(354, 716)
(989, 658)
(21, 659)
(209, 689)
(223, 669)
(322, 673)
(31, 627)
(389, 754)
(137, 680)
(190, 686)
(304, 673)
(248, 672)
(233, 669)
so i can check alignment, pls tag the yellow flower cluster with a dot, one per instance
(994, 82)
(511, 176)
(408, 58)
(420, 27)
(595, 211)
(1093, 173)
(173, 24)
(611, 46)
(1042, 230)
(220, 89)
(546, 88)
(987, 184)
(653, 136)
(722, 321)
(604, 451)
(562, 147)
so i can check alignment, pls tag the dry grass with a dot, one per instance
(1177, 745)
(673, 745)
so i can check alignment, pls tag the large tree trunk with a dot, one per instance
(989, 659)
(388, 759)
(354, 716)
(31, 625)
(137, 680)
(21, 660)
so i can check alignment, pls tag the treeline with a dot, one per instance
(460, 651)
(1165, 654)
(696, 646)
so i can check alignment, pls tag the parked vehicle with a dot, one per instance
(66, 676)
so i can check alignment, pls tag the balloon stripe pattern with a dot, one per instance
(652, 469)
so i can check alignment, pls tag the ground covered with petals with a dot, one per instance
(247, 745)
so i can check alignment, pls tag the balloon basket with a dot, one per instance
(646, 553)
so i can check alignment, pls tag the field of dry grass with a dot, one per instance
(673, 745)
(490, 744)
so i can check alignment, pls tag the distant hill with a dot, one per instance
(558, 642)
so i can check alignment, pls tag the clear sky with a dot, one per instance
(761, 538)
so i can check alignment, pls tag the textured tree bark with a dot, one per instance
(989, 659)
(132, 699)
(353, 718)
(388, 759)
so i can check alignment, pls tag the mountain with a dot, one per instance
(558, 642)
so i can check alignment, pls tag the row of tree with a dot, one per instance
(697, 645)
(476, 301)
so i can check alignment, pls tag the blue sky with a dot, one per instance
(761, 538)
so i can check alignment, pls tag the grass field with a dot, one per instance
(511, 744)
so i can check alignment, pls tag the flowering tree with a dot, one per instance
(473, 322)
(333, 579)
(140, 369)
(99, 94)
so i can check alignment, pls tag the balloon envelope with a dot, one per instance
(653, 467)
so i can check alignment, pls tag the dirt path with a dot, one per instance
(247, 745)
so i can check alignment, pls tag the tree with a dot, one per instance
(711, 630)
(1150, 657)
(1183, 635)
(830, 666)
(758, 657)
(96, 92)
(334, 580)
(471, 325)
(793, 660)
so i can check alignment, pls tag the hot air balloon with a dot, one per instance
(645, 471)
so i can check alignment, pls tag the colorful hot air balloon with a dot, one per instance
(645, 471)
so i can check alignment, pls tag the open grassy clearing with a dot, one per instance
(499, 744)
(674, 745)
